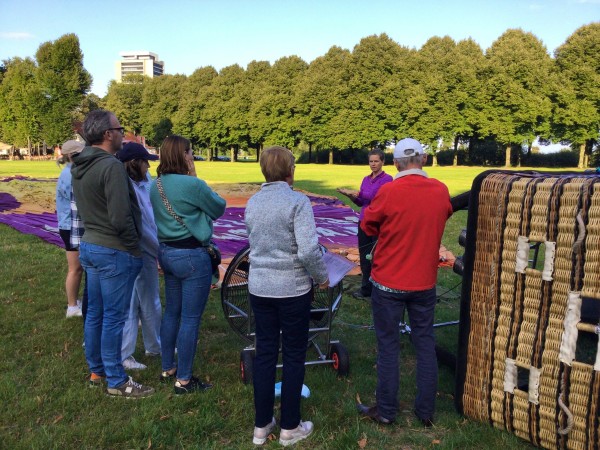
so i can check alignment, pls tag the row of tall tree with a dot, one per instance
(444, 94)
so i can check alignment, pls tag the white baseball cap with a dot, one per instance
(408, 147)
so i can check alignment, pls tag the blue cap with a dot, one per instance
(133, 150)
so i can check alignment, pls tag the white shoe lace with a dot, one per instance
(134, 384)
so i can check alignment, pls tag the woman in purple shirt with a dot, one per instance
(368, 188)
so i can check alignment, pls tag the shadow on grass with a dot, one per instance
(47, 403)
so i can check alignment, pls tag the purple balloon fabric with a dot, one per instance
(41, 225)
(8, 202)
(336, 224)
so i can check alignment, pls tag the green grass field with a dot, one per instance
(47, 404)
(318, 178)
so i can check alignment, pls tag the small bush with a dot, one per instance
(564, 158)
(348, 156)
(446, 157)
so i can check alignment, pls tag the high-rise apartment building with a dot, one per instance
(143, 63)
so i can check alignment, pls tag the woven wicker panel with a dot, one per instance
(561, 285)
(492, 207)
(578, 403)
(519, 317)
(591, 279)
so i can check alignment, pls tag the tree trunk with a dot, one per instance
(258, 150)
(581, 164)
(455, 162)
(470, 150)
(507, 163)
(309, 151)
(232, 152)
(331, 157)
(434, 160)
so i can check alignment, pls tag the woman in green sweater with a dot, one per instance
(184, 212)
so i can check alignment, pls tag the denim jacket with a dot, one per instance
(63, 198)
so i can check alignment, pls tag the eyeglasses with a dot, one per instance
(119, 129)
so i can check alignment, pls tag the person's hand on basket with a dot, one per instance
(324, 285)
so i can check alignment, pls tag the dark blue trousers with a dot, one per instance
(388, 311)
(288, 317)
(365, 246)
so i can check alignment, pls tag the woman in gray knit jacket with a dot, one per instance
(285, 261)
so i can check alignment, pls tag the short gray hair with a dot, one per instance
(403, 163)
(94, 126)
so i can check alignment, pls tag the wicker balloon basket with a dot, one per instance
(529, 358)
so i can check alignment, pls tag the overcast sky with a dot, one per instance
(190, 34)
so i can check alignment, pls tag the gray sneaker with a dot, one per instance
(261, 434)
(290, 437)
(130, 389)
(131, 364)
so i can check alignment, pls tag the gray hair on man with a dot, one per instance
(95, 125)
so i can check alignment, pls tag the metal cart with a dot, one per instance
(238, 312)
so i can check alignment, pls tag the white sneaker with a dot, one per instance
(73, 311)
(289, 437)
(131, 364)
(261, 434)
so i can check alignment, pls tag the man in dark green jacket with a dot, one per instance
(109, 250)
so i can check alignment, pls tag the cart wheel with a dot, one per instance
(246, 365)
(341, 360)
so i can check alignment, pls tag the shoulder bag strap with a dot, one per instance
(165, 201)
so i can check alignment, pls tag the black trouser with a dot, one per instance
(365, 245)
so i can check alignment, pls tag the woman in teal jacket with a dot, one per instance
(184, 212)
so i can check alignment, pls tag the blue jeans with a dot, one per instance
(110, 274)
(145, 306)
(187, 285)
(388, 311)
(290, 316)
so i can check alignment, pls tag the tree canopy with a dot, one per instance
(446, 93)
(40, 99)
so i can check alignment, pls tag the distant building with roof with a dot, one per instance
(142, 63)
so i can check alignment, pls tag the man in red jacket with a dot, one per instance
(409, 216)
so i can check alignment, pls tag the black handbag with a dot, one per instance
(215, 256)
(212, 249)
